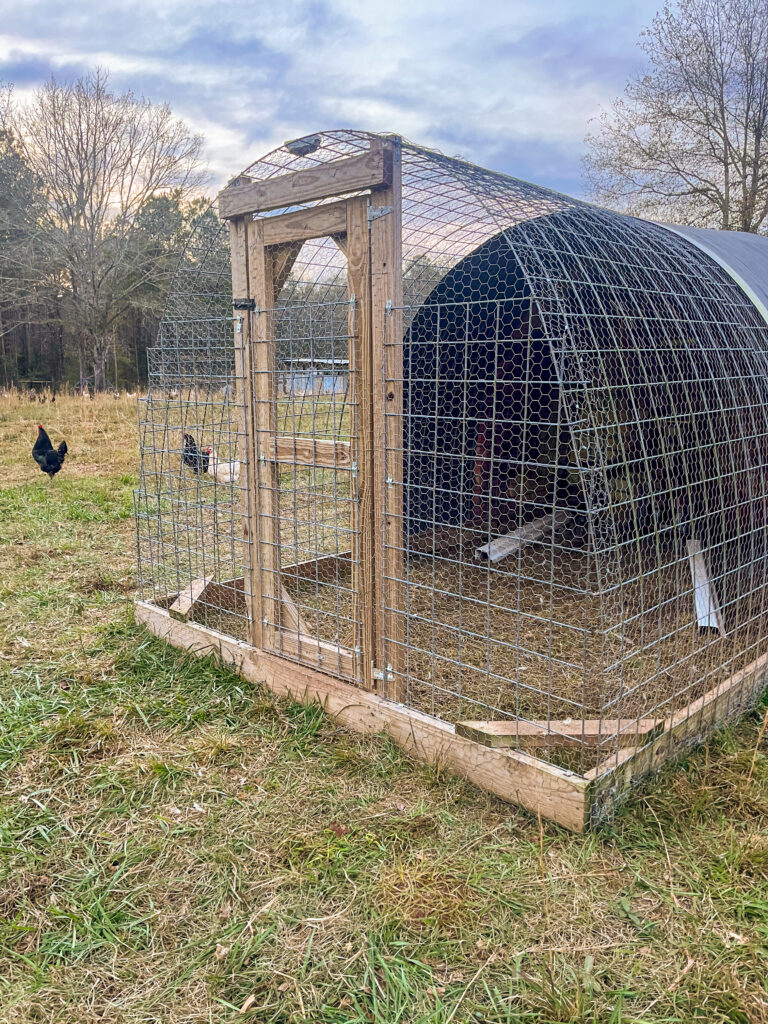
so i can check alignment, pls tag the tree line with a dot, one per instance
(99, 191)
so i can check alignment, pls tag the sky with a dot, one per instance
(508, 84)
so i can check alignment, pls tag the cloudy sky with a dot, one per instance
(510, 84)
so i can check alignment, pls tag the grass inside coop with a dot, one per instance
(174, 841)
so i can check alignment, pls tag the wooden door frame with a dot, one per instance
(263, 251)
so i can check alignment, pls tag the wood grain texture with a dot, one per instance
(371, 169)
(575, 732)
(517, 777)
(312, 451)
(358, 253)
(298, 226)
(386, 305)
(185, 601)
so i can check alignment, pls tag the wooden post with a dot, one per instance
(386, 306)
(267, 543)
(243, 371)
(362, 380)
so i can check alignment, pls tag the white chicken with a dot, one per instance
(222, 472)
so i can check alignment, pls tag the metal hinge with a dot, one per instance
(374, 212)
(248, 304)
(383, 675)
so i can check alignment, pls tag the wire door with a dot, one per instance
(309, 524)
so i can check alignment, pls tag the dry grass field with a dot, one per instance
(177, 846)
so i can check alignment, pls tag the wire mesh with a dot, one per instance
(584, 451)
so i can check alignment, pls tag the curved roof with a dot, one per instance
(742, 255)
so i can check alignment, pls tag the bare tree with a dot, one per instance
(688, 141)
(101, 161)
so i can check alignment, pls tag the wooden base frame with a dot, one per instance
(574, 801)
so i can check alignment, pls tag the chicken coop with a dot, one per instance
(472, 463)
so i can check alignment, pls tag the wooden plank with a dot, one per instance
(358, 252)
(238, 244)
(313, 451)
(324, 567)
(706, 603)
(513, 775)
(298, 226)
(615, 776)
(387, 337)
(569, 732)
(181, 608)
(502, 547)
(283, 258)
(323, 656)
(262, 290)
(368, 170)
(291, 616)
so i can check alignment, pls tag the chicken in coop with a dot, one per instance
(193, 457)
(223, 472)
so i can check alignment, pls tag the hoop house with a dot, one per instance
(475, 463)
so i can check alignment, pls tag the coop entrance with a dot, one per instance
(309, 413)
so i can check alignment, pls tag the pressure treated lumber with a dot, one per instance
(312, 451)
(324, 567)
(574, 732)
(515, 776)
(387, 339)
(181, 608)
(369, 170)
(614, 777)
(300, 225)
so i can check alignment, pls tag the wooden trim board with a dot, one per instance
(544, 789)
(300, 225)
(312, 451)
(371, 169)
(181, 608)
(574, 732)
(614, 777)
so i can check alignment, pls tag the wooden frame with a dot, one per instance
(280, 652)
(574, 801)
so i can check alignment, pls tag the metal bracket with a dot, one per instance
(383, 675)
(374, 212)
(247, 304)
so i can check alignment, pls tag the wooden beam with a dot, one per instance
(615, 776)
(387, 338)
(515, 776)
(267, 544)
(298, 226)
(575, 732)
(283, 258)
(361, 376)
(182, 607)
(369, 170)
(311, 451)
(238, 245)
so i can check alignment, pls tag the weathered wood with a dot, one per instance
(262, 290)
(283, 258)
(515, 776)
(238, 243)
(313, 451)
(300, 225)
(369, 170)
(291, 616)
(183, 606)
(502, 547)
(575, 732)
(387, 338)
(615, 776)
(358, 252)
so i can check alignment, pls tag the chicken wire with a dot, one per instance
(585, 388)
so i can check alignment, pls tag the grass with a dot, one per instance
(176, 845)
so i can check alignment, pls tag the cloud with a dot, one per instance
(509, 85)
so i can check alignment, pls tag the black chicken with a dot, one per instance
(48, 458)
(193, 457)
